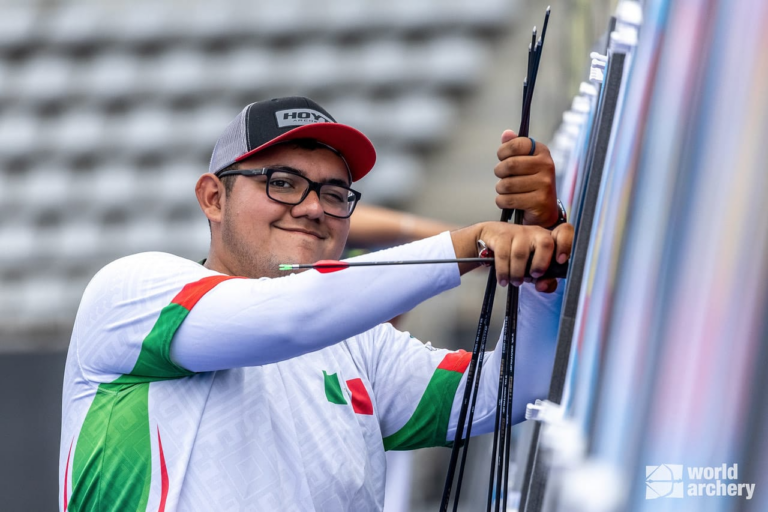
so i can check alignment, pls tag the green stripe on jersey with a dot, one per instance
(112, 468)
(333, 389)
(428, 426)
(154, 362)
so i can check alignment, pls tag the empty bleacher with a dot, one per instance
(109, 112)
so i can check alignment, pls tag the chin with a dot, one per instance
(305, 254)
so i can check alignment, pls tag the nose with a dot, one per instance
(310, 207)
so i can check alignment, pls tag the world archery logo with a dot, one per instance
(664, 481)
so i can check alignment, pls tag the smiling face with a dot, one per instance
(252, 234)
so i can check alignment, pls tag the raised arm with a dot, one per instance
(196, 320)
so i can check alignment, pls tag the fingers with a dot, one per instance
(542, 255)
(518, 259)
(546, 285)
(537, 206)
(514, 246)
(529, 201)
(528, 183)
(563, 237)
(524, 184)
(534, 204)
(518, 166)
(518, 248)
(501, 253)
(519, 146)
(507, 135)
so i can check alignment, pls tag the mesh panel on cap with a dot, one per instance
(232, 143)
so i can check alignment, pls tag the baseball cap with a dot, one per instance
(265, 123)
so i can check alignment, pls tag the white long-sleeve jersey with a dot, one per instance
(186, 389)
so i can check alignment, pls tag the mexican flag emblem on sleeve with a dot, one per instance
(361, 401)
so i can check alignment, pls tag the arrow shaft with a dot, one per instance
(345, 264)
(555, 269)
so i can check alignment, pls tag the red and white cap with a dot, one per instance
(266, 123)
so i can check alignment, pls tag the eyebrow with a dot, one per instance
(332, 181)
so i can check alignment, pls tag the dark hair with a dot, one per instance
(229, 181)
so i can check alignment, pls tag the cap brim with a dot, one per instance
(356, 148)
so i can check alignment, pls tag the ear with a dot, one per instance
(210, 194)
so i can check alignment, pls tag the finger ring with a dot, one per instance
(484, 251)
(533, 146)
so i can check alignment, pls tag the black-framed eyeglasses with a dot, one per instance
(289, 187)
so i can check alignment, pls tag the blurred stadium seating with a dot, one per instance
(109, 111)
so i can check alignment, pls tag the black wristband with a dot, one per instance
(562, 216)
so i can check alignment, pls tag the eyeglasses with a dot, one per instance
(287, 186)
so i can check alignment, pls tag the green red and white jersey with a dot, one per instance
(186, 389)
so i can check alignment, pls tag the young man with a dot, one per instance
(230, 386)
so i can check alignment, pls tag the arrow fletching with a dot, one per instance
(329, 266)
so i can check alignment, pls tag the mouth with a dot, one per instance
(301, 231)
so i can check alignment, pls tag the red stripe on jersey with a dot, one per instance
(163, 475)
(361, 402)
(66, 475)
(193, 292)
(456, 361)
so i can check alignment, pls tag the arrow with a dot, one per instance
(328, 266)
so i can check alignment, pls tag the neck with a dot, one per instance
(217, 264)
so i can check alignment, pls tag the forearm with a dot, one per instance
(253, 322)
(372, 226)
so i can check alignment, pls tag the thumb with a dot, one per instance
(507, 135)
(563, 235)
